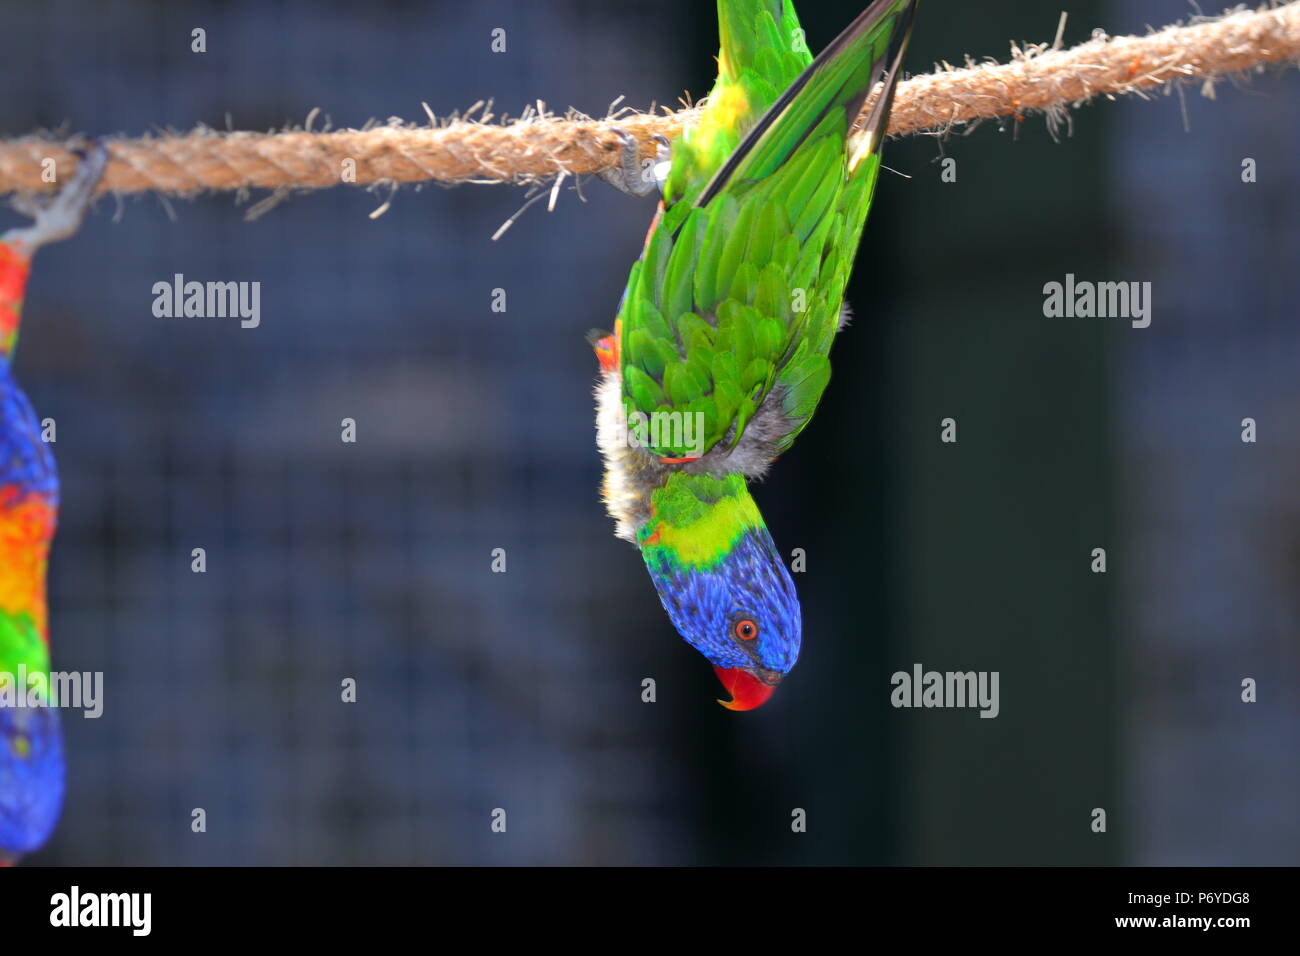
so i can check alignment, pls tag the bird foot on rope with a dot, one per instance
(632, 174)
(59, 216)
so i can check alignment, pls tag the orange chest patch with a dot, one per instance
(27, 524)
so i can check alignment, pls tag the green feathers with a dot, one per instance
(761, 52)
(697, 520)
(21, 646)
(739, 289)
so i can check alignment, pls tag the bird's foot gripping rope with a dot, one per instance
(634, 175)
(58, 217)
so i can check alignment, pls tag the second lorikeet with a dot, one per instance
(31, 742)
(720, 352)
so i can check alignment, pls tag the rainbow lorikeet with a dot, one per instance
(719, 353)
(31, 743)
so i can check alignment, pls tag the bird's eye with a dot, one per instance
(746, 630)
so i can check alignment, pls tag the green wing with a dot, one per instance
(739, 291)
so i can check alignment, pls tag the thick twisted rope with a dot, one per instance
(539, 146)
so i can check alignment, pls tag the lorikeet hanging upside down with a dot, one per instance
(31, 743)
(719, 354)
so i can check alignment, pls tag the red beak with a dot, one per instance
(746, 690)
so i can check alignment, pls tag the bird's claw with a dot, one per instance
(632, 174)
(61, 215)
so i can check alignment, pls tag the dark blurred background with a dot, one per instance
(522, 690)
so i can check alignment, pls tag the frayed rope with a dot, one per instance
(539, 146)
